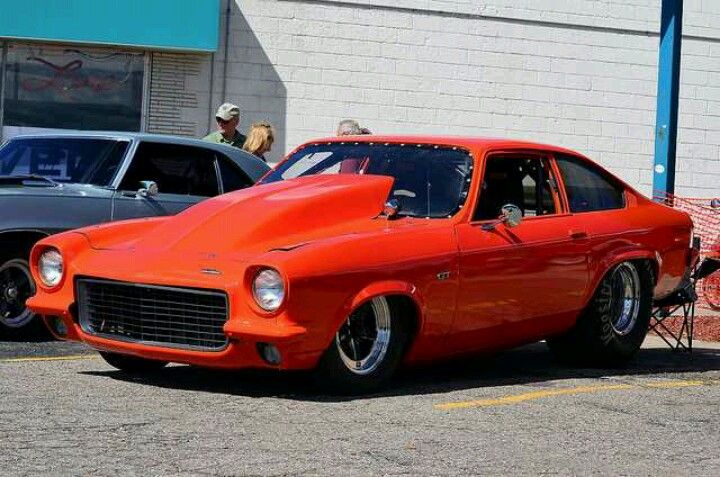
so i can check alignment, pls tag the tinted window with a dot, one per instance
(86, 161)
(176, 169)
(522, 181)
(589, 188)
(232, 177)
(429, 181)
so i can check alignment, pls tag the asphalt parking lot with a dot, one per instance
(65, 412)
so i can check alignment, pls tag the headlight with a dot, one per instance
(268, 289)
(50, 267)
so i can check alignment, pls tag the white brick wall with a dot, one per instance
(578, 73)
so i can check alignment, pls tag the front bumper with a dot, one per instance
(241, 351)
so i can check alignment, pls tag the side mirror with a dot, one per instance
(391, 209)
(511, 215)
(148, 189)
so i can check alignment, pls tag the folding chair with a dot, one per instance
(684, 299)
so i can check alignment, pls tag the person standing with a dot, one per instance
(228, 119)
(260, 139)
(348, 127)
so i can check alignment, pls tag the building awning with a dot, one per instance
(190, 25)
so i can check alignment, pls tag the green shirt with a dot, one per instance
(218, 138)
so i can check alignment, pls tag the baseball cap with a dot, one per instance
(227, 111)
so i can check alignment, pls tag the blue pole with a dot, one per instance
(667, 98)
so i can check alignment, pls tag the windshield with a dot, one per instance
(85, 161)
(430, 181)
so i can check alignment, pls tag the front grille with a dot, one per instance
(155, 315)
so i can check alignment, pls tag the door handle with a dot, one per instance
(578, 234)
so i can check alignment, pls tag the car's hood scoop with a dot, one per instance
(271, 216)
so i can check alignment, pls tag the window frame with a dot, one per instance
(561, 208)
(601, 172)
(220, 158)
(131, 161)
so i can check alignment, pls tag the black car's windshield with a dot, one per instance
(85, 161)
(430, 181)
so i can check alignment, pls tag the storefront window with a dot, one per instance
(73, 88)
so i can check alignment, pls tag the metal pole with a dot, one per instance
(667, 98)
(228, 14)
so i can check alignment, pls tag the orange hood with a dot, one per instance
(268, 216)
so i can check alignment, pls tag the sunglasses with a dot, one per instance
(223, 121)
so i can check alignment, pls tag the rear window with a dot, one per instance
(589, 188)
(85, 161)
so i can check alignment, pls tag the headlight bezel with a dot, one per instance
(269, 275)
(40, 268)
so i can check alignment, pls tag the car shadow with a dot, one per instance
(532, 364)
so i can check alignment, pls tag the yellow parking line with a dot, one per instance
(49, 358)
(517, 398)
(675, 384)
(533, 395)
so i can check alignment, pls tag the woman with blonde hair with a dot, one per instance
(260, 139)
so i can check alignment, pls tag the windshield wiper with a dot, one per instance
(28, 177)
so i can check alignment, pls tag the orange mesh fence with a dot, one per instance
(705, 214)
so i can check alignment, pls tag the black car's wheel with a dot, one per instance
(613, 326)
(366, 350)
(16, 286)
(131, 364)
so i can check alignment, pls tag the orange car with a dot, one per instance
(358, 254)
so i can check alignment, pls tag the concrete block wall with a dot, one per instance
(577, 73)
(179, 89)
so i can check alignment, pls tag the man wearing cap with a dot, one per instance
(227, 118)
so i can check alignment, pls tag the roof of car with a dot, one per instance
(251, 164)
(167, 138)
(474, 142)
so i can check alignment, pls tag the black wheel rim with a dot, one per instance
(16, 286)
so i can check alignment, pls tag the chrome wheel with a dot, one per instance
(625, 298)
(363, 340)
(16, 286)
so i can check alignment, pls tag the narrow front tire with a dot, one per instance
(366, 350)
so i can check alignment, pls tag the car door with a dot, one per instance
(527, 281)
(185, 175)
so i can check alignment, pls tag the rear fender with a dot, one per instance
(620, 256)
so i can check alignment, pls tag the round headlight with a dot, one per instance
(268, 289)
(50, 267)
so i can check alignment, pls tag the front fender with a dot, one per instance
(375, 289)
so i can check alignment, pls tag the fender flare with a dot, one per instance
(605, 265)
(375, 289)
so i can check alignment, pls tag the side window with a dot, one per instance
(182, 170)
(523, 181)
(589, 188)
(232, 177)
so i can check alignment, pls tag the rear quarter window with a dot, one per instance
(589, 188)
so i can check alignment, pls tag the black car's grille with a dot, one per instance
(173, 317)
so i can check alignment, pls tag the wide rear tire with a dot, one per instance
(612, 328)
(131, 364)
(366, 350)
